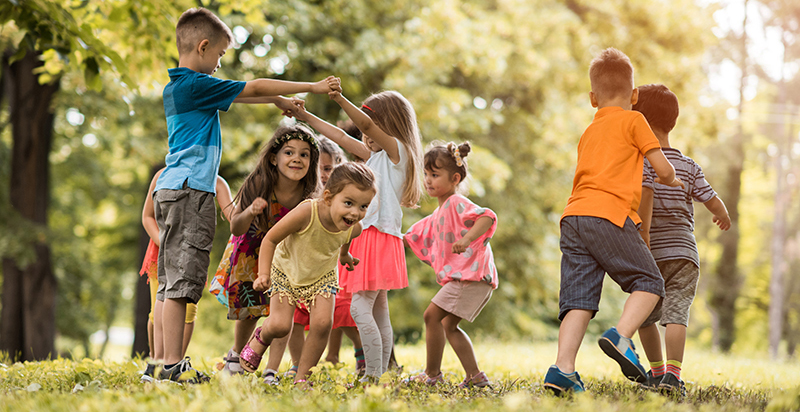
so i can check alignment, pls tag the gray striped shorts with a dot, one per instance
(680, 282)
(592, 247)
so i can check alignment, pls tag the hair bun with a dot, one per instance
(464, 149)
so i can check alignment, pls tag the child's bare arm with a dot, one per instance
(149, 212)
(721, 217)
(646, 214)
(224, 198)
(286, 104)
(368, 127)
(347, 142)
(345, 258)
(663, 168)
(272, 87)
(293, 222)
(479, 228)
(241, 219)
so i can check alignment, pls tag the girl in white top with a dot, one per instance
(392, 149)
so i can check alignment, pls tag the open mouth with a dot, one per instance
(349, 222)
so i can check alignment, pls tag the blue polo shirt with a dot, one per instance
(192, 102)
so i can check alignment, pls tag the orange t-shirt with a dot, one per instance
(608, 178)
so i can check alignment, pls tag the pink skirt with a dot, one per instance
(382, 263)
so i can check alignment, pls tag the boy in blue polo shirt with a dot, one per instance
(184, 193)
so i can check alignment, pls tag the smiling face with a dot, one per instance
(325, 167)
(211, 56)
(349, 206)
(292, 159)
(439, 183)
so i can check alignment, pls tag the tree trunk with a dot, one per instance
(27, 323)
(727, 281)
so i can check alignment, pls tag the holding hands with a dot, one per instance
(675, 182)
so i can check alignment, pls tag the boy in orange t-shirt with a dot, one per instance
(599, 227)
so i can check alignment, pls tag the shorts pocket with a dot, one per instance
(201, 232)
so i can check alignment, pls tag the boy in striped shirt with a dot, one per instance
(667, 225)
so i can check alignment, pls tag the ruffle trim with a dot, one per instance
(307, 295)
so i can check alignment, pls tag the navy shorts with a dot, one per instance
(592, 247)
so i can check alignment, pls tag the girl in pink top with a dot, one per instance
(454, 240)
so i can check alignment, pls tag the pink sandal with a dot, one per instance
(249, 356)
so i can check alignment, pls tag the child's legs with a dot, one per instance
(276, 350)
(381, 313)
(334, 346)
(321, 319)
(580, 290)
(461, 344)
(352, 334)
(150, 342)
(675, 338)
(158, 330)
(173, 321)
(361, 310)
(296, 341)
(680, 278)
(188, 328)
(651, 342)
(154, 354)
(242, 331)
(278, 324)
(635, 311)
(435, 338)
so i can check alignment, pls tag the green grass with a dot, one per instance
(715, 383)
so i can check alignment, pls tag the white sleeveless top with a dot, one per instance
(385, 212)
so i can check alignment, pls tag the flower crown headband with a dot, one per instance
(456, 154)
(296, 135)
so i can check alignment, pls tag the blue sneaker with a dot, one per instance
(561, 383)
(621, 349)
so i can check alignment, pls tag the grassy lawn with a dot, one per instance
(714, 382)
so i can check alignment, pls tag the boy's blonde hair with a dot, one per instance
(197, 24)
(394, 114)
(611, 74)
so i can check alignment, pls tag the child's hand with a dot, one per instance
(460, 246)
(257, 206)
(675, 183)
(335, 84)
(348, 261)
(287, 105)
(724, 222)
(322, 86)
(300, 113)
(261, 283)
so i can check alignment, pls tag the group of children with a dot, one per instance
(316, 242)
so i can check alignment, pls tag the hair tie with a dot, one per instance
(456, 155)
(364, 106)
(296, 135)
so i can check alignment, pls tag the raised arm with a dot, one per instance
(646, 214)
(347, 142)
(149, 212)
(272, 87)
(294, 221)
(721, 217)
(368, 127)
(224, 198)
(664, 169)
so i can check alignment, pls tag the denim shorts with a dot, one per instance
(680, 282)
(186, 224)
(592, 247)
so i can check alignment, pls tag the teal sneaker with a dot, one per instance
(622, 350)
(561, 383)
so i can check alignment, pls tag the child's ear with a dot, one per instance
(593, 99)
(456, 178)
(635, 96)
(203, 46)
(327, 197)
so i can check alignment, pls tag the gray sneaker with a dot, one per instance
(652, 382)
(671, 384)
(183, 372)
(148, 374)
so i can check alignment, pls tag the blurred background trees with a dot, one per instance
(509, 76)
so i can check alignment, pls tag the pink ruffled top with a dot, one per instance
(432, 238)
